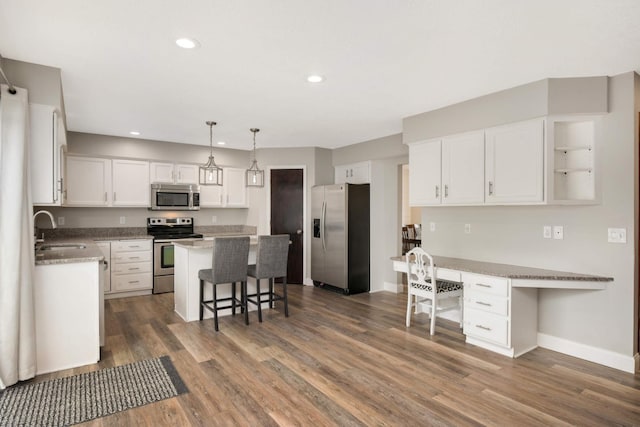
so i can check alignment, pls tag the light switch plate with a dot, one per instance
(123, 220)
(546, 231)
(617, 235)
(558, 232)
(60, 220)
(467, 228)
(432, 226)
(214, 219)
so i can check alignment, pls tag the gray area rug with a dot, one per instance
(79, 398)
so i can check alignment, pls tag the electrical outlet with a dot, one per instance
(214, 219)
(546, 231)
(467, 228)
(432, 226)
(123, 220)
(617, 235)
(60, 220)
(558, 232)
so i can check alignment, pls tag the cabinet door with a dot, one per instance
(341, 174)
(515, 163)
(130, 183)
(360, 173)
(424, 173)
(186, 174)
(211, 196)
(161, 173)
(463, 168)
(88, 181)
(46, 140)
(235, 188)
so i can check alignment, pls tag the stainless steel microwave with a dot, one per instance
(172, 197)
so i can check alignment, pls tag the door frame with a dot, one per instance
(306, 242)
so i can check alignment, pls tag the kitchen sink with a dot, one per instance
(62, 246)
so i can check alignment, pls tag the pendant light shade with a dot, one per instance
(255, 176)
(210, 173)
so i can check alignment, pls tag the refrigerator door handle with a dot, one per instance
(322, 225)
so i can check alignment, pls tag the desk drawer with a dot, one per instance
(486, 326)
(491, 285)
(486, 302)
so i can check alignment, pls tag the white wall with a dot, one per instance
(605, 319)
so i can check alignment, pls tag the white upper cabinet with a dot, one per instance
(170, 173)
(48, 143)
(130, 183)
(355, 173)
(463, 169)
(515, 163)
(104, 182)
(425, 173)
(232, 194)
(88, 181)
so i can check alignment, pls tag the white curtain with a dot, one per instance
(17, 318)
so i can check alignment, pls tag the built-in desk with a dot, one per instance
(500, 309)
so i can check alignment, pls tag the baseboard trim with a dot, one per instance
(396, 288)
(590, 353)
(637, 360)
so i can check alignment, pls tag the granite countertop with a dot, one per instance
(85, 236)
(508, 271)
(90, 253)
(208, 244)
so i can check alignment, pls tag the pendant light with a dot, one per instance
(210, 173)
(255, 176)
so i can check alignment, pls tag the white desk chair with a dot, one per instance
(420, 271)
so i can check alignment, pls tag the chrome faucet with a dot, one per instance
(53, 224)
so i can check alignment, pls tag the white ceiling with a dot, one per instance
(382, 60)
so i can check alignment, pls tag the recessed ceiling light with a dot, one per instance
(187, 43)
(134, 132)
(221, 142)
(315, 78)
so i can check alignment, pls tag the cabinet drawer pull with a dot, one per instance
(491, 188)
(137, 268)
(483, 327)
(134, 246)
(483, 303)
(437, 191)
(482, 285)
(446, 190)
(134, 281)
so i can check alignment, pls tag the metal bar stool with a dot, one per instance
(271, 263)
(229, 265)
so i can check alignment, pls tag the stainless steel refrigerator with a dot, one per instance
(340, 242)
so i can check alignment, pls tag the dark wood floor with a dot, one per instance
(345, 361)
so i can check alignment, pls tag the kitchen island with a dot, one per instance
(500, 304)
(191, 257)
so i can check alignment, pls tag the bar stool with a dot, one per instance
(271, 263)
(229, 265)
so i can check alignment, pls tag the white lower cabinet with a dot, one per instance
(498, 316)
(131, 266)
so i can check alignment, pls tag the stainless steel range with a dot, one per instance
(164, 232)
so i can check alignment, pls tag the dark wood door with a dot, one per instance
(287, 189)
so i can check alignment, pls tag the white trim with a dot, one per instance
(306, 243)
(396, 288)
(590, 353)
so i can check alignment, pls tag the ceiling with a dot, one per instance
(382, 61)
